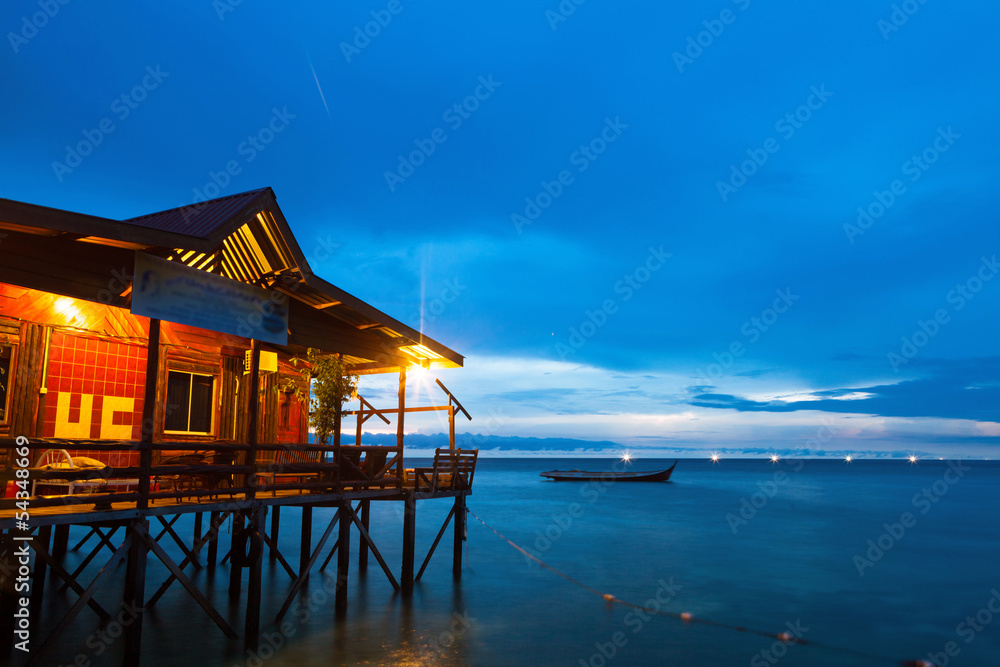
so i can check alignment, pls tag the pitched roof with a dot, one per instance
(204, 218)
(243, 237)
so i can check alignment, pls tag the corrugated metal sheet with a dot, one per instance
(200, 219)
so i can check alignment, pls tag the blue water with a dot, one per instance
(789, 559)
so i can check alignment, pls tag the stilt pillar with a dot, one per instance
(60, 542)
(275, 524)
(135, 591)
(254, 574)
(213, 544)
(409, 543)
(456, 568)
(42, 539)
(235, 560)
(362, 545)
(305, 548)
(343, 558)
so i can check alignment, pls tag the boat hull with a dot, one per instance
(609, 475)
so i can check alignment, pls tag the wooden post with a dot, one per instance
(305, 540)
(402, 406)
(456, 567)
(409, 542)
(213, 544)
(361, 421)
(254, 574)
(197, 526)
(362, 545)
(235, 571)
(8, 597)
(451, 425)
(43, 538)
(60, 543)
(343, 558)
(149, 411)
(252, 409)
(135, 591)
(275, 524)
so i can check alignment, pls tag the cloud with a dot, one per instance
(949, 389)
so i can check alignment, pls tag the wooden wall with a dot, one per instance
(26, 316)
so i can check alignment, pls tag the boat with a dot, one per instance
(610, 475)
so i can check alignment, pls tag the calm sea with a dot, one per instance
(872, 562)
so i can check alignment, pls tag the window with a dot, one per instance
(189, 403)
(6, 378)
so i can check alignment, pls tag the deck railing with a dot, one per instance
(223, 470)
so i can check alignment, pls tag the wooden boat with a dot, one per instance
(610, 475)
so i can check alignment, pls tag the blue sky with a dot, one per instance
(641, 224)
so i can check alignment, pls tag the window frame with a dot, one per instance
(212, 406)
(9, 381)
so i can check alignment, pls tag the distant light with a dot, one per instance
(849, 458)
(774, 458)
(626, 457)
(913, 459)
(715, 458)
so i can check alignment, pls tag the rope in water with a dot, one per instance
(784, 637)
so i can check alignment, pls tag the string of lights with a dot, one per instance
(784, 637)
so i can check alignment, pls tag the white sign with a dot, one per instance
(177, 293)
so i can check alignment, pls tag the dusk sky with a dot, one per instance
(729, 225)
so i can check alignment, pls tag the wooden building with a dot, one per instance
(82, 372)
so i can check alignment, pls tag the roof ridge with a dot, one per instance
(196, 204)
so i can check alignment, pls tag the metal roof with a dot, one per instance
(204, 218)
(243, 237)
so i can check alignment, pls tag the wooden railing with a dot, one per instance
(332, 468)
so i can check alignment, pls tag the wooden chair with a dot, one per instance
(178, 481)
(289, 456)
(214, 480)
(453, 470)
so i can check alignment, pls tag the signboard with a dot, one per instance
(177, 293)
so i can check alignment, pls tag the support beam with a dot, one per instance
(213, 546)
(198, 596)
(250, 457)
(460, 517)
(297, 586)
(401, 395)
(60, 542)
(213, 533)
(366, 506)
(409, 542)
(149, 411)
(254, 574)
(374, 549)
(44, 537)
(343, 559)
(275, 525)
(235, 570)
(305, 539)
(83, 601)
(135, 590)
(8, 597)
(444, 527)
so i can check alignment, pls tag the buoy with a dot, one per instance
(609, 597)
(685, 616)
(787, 637)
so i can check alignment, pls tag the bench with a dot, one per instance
(453, 470)
(276, 466)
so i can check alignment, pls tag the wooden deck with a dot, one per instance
(131, 525)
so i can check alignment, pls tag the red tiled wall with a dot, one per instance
(80, 366)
